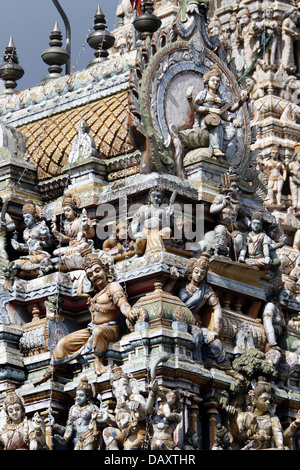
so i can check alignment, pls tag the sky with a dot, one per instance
(30, 23)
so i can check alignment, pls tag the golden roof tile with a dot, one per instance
(49, 140)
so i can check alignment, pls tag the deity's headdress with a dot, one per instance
(31, 208)
(92, 259)
(214, 71)
(257, 216)
(88, 388)
(117, 373)
(70, 200)
(202, 262)
(13, 398)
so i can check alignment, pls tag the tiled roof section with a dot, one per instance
(49, 141)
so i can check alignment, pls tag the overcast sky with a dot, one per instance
(30, 23)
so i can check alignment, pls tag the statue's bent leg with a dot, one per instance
(70, 344)
(102, 335)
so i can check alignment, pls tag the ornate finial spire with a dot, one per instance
(101, 40)
(11, 71)
(55, 56)
(146, 23)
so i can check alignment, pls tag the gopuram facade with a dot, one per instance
(150, 234)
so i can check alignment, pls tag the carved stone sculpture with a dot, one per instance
(227, 206)
(293, 168)
(256, 247)
(151, 223)
(212, 115)
(76, 239)
(83, 146)
(82, 424)
(165, 417)
(36, 240)
(197, 293)
(268, 30)
(248, 36)
(6, 225)
(276, 174)
(257, 428)
(128, 432)
(274, 322)
(289, 36)
(105, 307)
(20, 433)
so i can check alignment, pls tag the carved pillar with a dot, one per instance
(211, 406)
(193, 413)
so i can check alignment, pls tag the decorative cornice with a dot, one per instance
(68, 91)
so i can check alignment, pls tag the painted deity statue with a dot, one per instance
(76, 239)
(256, 247)
(232, 217)
(268, 29)
(196, 294)
(165, 418)
(289, 36)
(128, 430)
(105, 307)
(293, 168)
(276, 174)
(20, 433)
(151, 223)
(257, 428)
(274, 322)
(6, 225)
(82, 422)
(213, 114)
(37, 239)
(107, 302)
(248, 36)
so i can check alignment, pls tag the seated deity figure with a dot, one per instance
(82, 422)
(37, 239)
(197, 293)
(276, 174)
(119, 243)
(151, 223)
(18, 432)
(129, 428)
(256, 247)
(213, 114)
(76, 239)
(105, 307)
(227, 206)
(165, 417)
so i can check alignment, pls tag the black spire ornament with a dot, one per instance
(100, 39)
(55, 56)
(11, 71)
(147, 23)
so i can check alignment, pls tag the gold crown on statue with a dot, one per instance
(13, 398)
(31, 208)
(117, 373)
(70, 200)
(214, 71)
